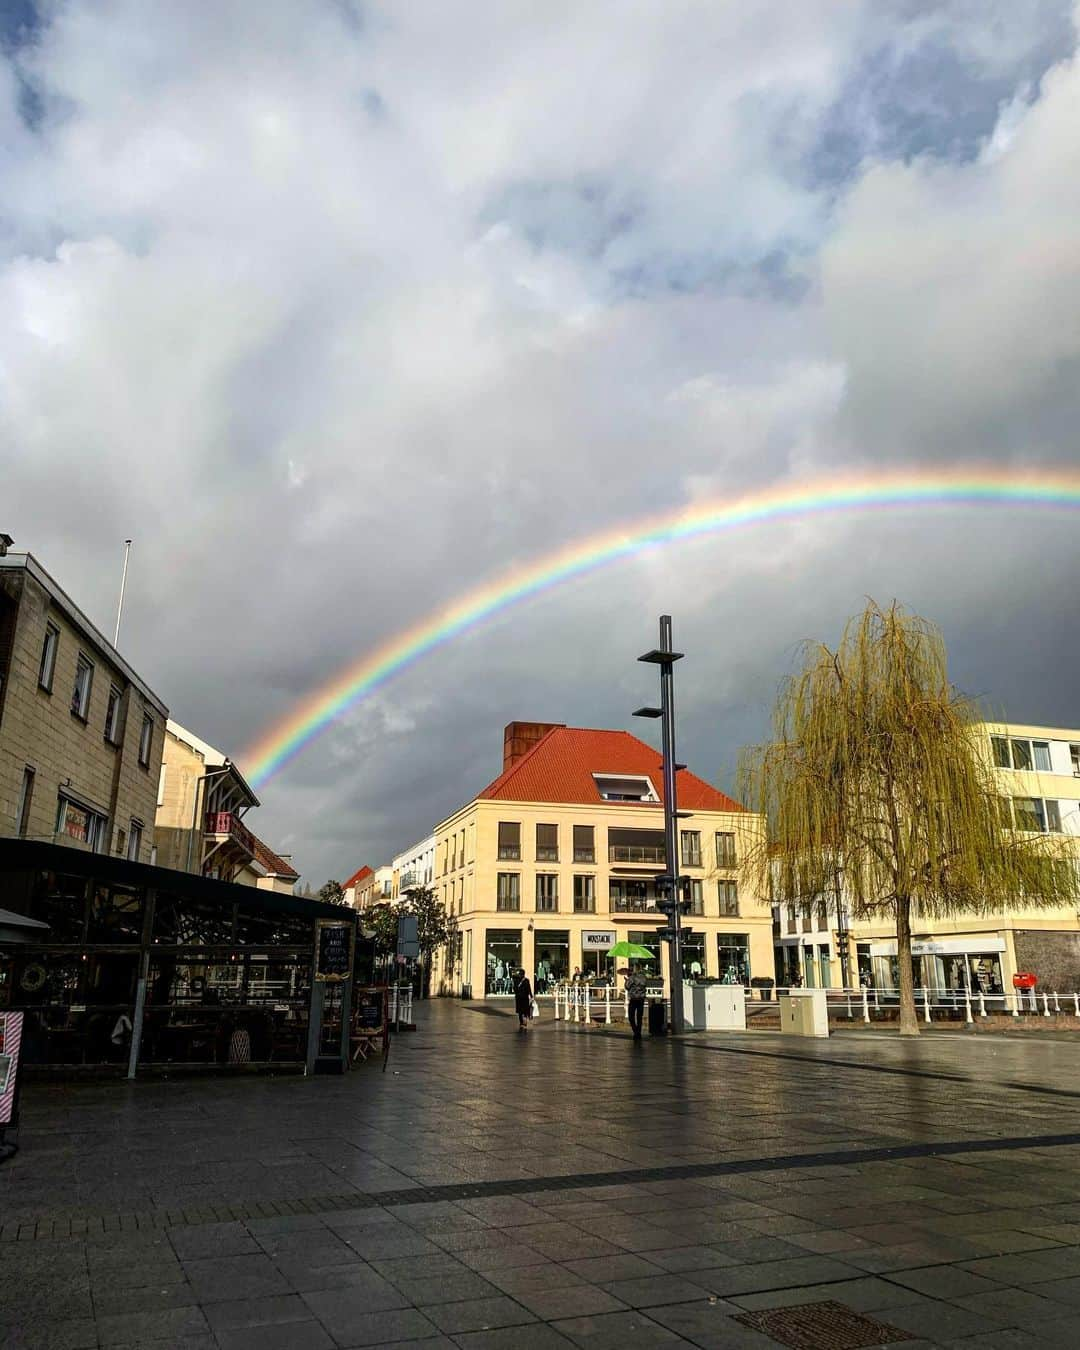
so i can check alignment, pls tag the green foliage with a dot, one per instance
(331, 893)
(382, 920)
(432, 924)
(875, 785)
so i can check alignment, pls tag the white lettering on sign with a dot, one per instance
(597, 939)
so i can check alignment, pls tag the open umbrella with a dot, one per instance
(634, 950)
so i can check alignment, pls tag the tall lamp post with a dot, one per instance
(671, 902)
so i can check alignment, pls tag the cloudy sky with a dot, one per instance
(339, 308)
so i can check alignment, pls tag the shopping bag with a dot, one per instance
(534, 1009)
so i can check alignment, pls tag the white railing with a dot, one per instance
(401, 998)
(598, 1003)
(603, 1003)
(866, 1003)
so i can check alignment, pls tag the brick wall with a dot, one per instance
(1053, 957)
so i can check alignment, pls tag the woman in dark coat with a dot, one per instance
(523, 996)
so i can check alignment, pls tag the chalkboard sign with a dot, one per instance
(333, 950)
(370, 1009)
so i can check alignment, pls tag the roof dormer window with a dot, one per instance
(625, 787)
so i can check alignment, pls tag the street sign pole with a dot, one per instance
(664, 657)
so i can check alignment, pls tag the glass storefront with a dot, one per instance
(653, 943)
(734, 952)
(503, 960)
(225, 964)
(552, 949)
(693, 956)
(597, 965)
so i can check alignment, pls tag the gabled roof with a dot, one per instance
(360, 875)
(275, 866)
(560, 768)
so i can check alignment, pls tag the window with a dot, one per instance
(691, 848)
(630, 897)
(625, 787)
(509, 840)
(1053, 817)
(697, 899)
(81, 823)
(26, 795)
(1030, 814)
(48, 657)
(1021, 754)
(80, 693)
(733, 950)
(1041, 754)
(1024, 755)
(1005, 813)
(547, 843)
(134, 843)
(547, 892)
(1074, 756)
(146, 741)
(585, 895)
(508, 891)
(725, 849)
(112, 716)
(1001, 752)
(585, 840)
(728, 893)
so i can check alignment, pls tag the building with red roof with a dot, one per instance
(557, 859)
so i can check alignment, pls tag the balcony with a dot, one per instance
(223, 825)
(585, 855)
(642, 854)
(508, 904)
(546, 854)
(509, 852)
(629, 905)
(584, 906)
(408, 880)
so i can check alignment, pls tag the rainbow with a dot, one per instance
(967, 487)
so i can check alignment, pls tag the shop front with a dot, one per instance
(502, 961)
(131, 965)
(733, 953)
(552, 947)
(595, 962)
(942, 965)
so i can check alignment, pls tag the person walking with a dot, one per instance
(635, 998)
(523, 998)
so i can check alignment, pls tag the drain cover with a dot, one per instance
(822, 1326)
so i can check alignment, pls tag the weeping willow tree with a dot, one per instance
(875, 787)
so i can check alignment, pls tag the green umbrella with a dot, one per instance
(632, 949)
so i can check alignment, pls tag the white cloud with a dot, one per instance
(339, 309)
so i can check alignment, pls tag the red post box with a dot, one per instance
(1024, 979)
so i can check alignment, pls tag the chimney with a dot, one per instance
(520, 737)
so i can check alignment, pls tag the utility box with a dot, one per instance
(714, 1007)
(804, 1012)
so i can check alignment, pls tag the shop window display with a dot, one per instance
(652, 942)
(734, 952)
(693, 956)
(552, 949)
(503, 960)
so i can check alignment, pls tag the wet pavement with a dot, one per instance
(565, 1187)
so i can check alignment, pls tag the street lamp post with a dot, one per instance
(665, 658)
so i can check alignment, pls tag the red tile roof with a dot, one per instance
(560, 768)
(275, 866)
(357, 877)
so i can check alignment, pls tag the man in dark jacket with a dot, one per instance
(635, 999)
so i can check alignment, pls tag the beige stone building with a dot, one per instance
(1037, 774)
(556, 860)
(81, 735)
(202, 800)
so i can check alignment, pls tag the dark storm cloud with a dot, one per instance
(342, 310)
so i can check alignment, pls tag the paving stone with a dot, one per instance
(242, 1314)
(750, 1279)
(711, 1326)
(618, 1331)
(223, 1278)
(598, 1269)
(945, 1281)
(213, 1239)
(650, 1291)
(579, 1301)
(385, 1327)
(310, 1335)
(48, 1333)
(167, 1326)
(534, 1336)
(481, 1314)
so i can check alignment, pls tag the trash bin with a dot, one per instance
(466, 991)
(657, 1017)
(764, 986)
